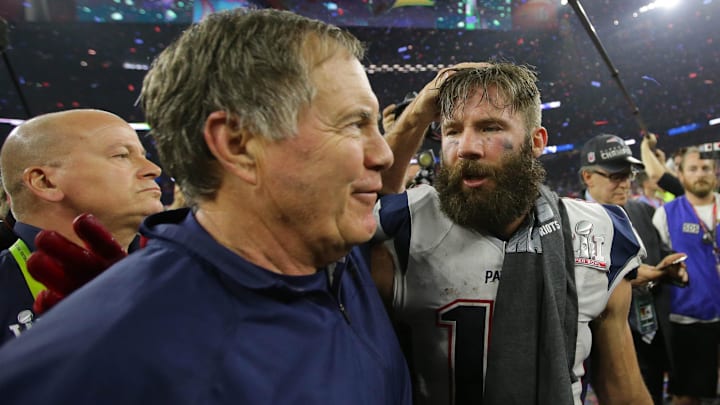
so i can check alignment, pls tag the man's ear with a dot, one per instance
(539, 141)
(41, 182)
(230, 143)
(585, 176)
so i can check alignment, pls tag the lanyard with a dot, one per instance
(21, 253)
(702, 223)
(708, 237)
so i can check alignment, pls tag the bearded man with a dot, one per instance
(689, 224)
(496, 285)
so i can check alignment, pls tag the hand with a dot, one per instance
(670, 269)
(425, 105)
(650, 139)
(388, 117)
(674, 269)
(660, 155)
(63, 267)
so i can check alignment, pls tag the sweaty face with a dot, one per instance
(698, 175)
(107, 174)
(490, 176)
(323, 182)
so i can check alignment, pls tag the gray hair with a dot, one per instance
(516, 85)
(255, 65)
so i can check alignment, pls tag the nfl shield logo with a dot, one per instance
(591, 157)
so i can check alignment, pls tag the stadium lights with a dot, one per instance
(658, 4)
(550, 149)
(11, 121)
(667, 3)
(140, 126)
(683, 129)
(135, 66)
(550, 105)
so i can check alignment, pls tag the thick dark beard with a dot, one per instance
(491, 208)
(698, 190)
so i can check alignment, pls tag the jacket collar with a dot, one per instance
(180, 227)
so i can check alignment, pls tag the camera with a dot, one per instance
(426, 159)
(710, 150)
(425, 174)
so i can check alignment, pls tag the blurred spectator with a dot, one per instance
(689, 223)
(653, 159)
(649, 192)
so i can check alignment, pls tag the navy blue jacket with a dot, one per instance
(187, 321)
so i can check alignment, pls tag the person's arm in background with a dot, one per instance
(616, 375)
(671, 184)
(406, 133)
(655, 167)
(659, 220)
(665, 269)
(388, 117)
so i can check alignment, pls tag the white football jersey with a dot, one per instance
(447, 276)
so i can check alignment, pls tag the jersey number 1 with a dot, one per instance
(468, 324)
